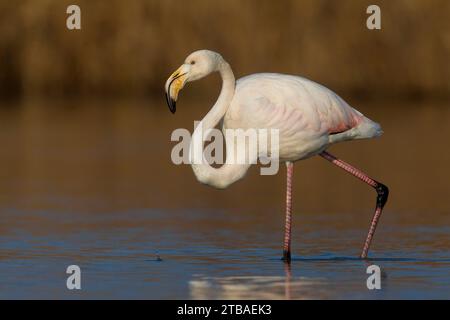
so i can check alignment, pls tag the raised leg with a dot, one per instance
(381, 189)
(287, 226)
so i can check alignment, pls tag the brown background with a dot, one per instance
(85, 125)
(128, 47)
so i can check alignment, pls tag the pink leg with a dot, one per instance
(287, 226)
(382, 195)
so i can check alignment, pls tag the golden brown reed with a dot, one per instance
(129, 47)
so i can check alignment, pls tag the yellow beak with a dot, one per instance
(174, 84)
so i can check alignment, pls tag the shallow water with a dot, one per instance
(222, 261)
(94, 186)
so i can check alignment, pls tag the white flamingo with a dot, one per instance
(309, 118)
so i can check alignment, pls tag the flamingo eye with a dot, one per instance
(192, 62)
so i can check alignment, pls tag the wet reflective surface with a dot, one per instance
(93, 185)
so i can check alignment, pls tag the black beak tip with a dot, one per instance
(171, 103)
(173, 106)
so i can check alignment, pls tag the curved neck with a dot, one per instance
(227, 173)
(219, 109)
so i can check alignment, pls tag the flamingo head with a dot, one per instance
(197, 65)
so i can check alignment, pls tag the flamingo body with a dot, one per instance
(309, 116)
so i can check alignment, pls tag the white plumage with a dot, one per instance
(309, 116)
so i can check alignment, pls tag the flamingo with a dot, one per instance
(309, 117)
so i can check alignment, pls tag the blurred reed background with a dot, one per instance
(86, 175)
(85, 125)
(127, 48)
